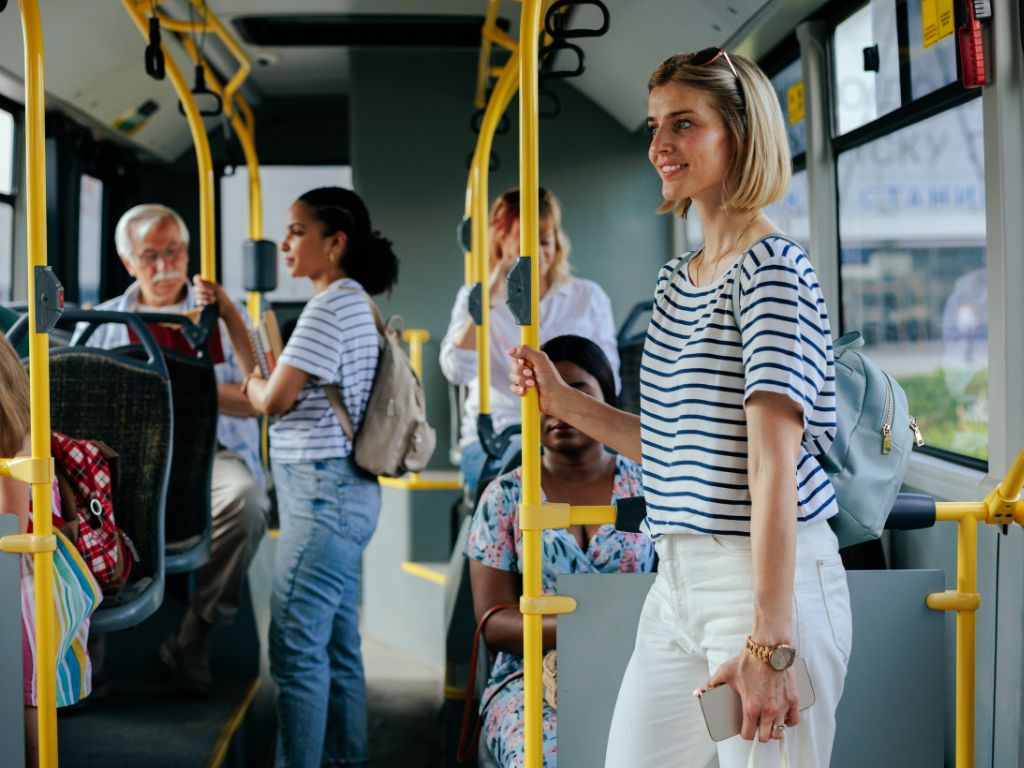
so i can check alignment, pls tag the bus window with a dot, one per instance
(913, 269)
(6, 202)
(6, 153)
(862, 95)
(792, 214)
(932, 65)
(789, 87)
(90, 234)
(6, 239)
(281, 185)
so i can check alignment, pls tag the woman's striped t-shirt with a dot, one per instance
(335, 341)
(698, 370)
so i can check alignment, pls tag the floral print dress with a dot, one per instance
(495, 540)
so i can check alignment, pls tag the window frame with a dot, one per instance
(910, 112)
(18, 113)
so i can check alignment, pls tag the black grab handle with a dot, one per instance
(554, 22)
(200, 89)
(476, 123)
(550, 51)
(154, 53)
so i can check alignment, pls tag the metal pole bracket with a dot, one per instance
(546, 605)
(519, 294)
(49, 299)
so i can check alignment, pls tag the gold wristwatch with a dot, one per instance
(779, 657)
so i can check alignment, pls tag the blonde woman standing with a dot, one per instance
(732, 416)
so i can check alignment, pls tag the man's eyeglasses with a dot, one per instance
(706, 56)
(171, 254)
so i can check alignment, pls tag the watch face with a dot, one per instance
(782, 657)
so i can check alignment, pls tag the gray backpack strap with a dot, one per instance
(737, 298)
(333, 391)
(684, 260)
(338, 406)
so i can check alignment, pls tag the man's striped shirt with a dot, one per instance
(698, 370)
(335, 341)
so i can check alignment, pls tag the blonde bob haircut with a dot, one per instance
(505, 213)
(761, 166)
(14, 401)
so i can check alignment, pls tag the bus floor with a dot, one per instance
(144, 721)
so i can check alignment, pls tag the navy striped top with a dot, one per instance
(698, 369)
(335, 341)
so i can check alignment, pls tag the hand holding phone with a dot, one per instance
(723, 708)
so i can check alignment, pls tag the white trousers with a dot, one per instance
(696, 617)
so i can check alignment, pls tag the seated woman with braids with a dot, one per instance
(574, 469)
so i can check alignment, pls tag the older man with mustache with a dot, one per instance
(152, 242)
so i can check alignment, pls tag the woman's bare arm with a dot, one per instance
(617, 429)
(774, 430)
(504, 631)
(277, 394)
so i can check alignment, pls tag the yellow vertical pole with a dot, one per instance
(529, 171)
(39, 366)
(966, 583)
(207, 258)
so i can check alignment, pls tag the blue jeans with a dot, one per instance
(328, 511)
(476, 463)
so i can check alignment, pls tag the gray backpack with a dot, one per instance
(394, 437)
(875, 434)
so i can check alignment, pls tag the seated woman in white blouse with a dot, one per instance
(568, 305)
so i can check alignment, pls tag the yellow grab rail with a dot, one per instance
(1001, 507)
(207, 258)
(38, 469)
(529, 228)
(480, 169)
(243, 124)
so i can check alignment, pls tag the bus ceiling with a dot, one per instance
(289, 45)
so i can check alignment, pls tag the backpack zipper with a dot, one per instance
(890, 400)
(918, 437)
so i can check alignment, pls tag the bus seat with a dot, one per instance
(12, 731)
(892, 691)
(125, 402)
(188, 527)
(631, 349)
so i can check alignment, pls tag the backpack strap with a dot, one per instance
(683, 262)
(333, 391)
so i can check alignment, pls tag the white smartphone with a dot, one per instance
(723, 709)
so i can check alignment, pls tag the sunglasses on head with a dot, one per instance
(704, 57)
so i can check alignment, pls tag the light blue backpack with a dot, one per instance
(874, 436)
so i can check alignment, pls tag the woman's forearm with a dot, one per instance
(465, 337)
(619, 430)
(239, 336)
(773, 544)
(504, 632)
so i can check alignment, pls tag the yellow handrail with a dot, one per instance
(243, 124)
(479, 171)
(1001, 507)
(529, 228)
(38, 470)
(207, 257)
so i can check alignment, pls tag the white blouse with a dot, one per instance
(579, 307)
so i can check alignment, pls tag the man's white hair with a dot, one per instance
(137, 222)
